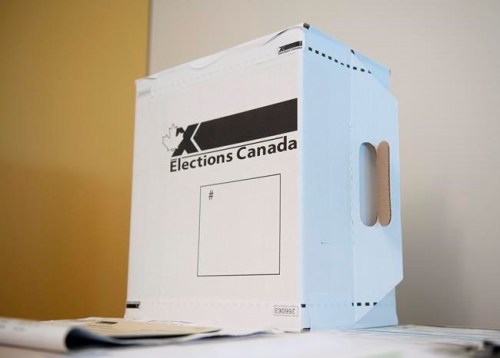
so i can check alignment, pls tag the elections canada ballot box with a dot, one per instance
(266, 189)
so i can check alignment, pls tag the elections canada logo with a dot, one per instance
(173, 138)
(258, 132)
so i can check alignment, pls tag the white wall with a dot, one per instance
(445, 60)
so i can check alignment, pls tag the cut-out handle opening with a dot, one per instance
(368, 184)
(374, 184)
(383, 184)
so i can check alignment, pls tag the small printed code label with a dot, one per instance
(285, 311)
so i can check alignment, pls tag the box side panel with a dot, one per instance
(350, 269)
(377, 247)
(214, 234)
(326, 182)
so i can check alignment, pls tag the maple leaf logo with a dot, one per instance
(173, 138)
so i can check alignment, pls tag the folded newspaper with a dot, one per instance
(66, 335)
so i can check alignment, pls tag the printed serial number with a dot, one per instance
(285, 311)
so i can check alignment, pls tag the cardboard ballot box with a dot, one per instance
(266, 189)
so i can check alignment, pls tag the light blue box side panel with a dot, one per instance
(377, 248)
(325, 186)
(350, 270)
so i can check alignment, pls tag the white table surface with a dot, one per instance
(311, 344)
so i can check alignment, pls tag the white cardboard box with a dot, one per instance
(250, 182)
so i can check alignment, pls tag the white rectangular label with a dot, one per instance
(240, 227)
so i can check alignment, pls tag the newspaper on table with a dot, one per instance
(66, 335)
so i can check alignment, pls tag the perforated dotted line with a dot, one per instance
(330, 58)
(359, 304)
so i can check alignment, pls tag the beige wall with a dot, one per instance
(445, 58)
(67, 71)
